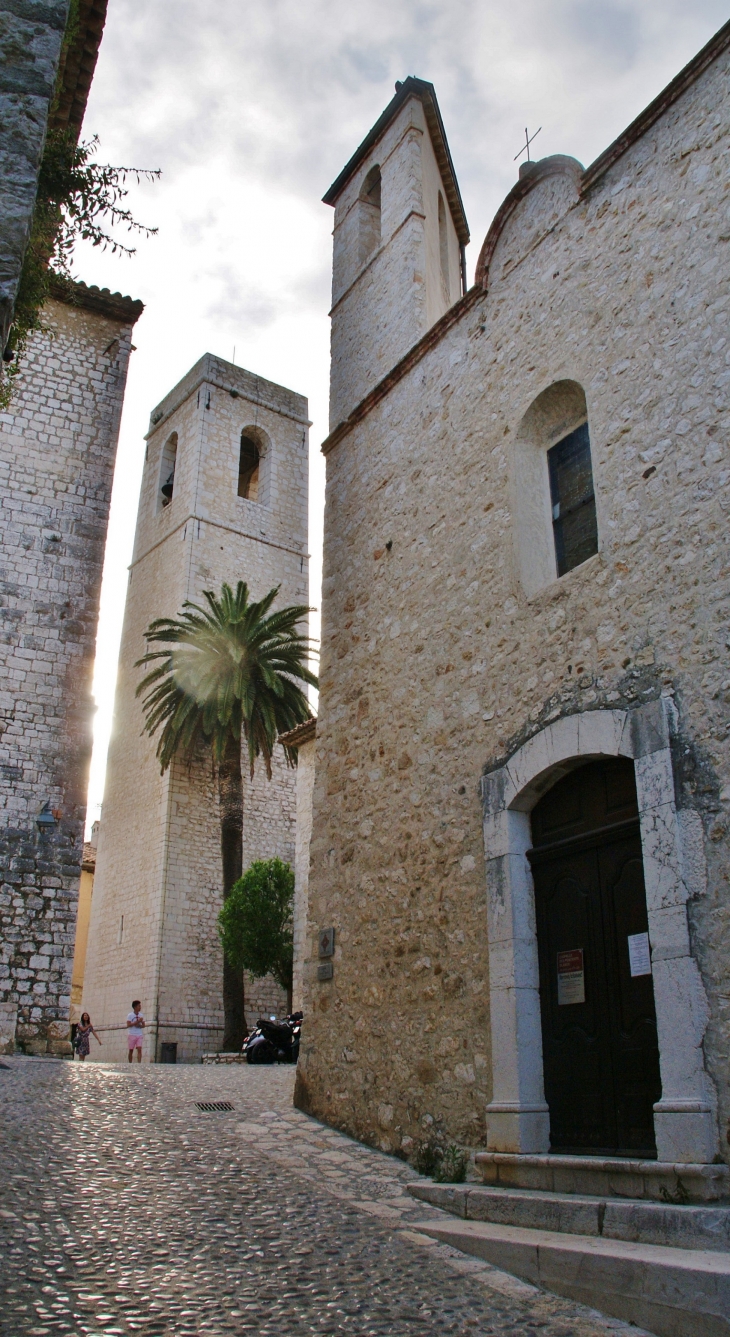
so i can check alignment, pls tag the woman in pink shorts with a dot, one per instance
(135, 1030)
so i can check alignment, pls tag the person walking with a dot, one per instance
(135, 1031)
(84, 1032)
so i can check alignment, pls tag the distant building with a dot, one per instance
(521, 803)
(224, 498)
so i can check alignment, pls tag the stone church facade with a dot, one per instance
(527, 601)
(224, 498)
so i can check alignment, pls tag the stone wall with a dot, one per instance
(44, 83)
(157, 889)
(57, 448)
(436, 665)
(30, 46)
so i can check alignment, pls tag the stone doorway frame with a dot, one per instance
(518, 1118)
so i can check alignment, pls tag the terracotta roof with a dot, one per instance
(106, 303)
(88, 861)
(76, 67)
(426, 93)
(302, 734)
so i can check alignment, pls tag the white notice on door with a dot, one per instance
(639, 957)
(571, 977)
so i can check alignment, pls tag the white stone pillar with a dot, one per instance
(684, 1119)
(518, 1115)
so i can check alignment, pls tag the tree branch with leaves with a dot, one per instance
(255, 923)
(77, 200)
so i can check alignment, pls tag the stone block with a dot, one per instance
(673, 1292)
(8, 1018)
(450, 1197)
(648, 729)
(680, 1227)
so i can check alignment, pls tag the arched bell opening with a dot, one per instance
(168, 463)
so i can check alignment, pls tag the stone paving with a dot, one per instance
(124, 1209)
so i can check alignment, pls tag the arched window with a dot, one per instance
(573, 500)
(556, 526)
(444, 249)
(248, 468)
(167, 472)
(369, 207)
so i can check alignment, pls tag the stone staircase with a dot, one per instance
(662, 1266)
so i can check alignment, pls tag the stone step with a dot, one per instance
(670, 1292)
(612, 1176)
(637, 1221)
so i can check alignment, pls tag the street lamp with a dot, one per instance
(45, 819)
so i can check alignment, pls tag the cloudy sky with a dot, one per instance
(251, 107)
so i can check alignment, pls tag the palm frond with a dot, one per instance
(231, 668)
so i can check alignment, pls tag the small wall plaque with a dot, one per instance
(326, 971)
(639, 954)
(326, 942)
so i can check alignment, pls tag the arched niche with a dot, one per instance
(369, 214)
(168, 463)
(547, 444)
(254, 466)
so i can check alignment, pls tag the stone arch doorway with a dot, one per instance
(518, 1117)
(598, 1019)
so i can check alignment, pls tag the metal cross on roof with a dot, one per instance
(526, 145)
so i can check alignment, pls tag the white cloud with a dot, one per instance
(252, 107)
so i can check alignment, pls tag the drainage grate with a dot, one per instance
(211, 1106)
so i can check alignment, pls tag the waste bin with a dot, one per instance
(168, 1051)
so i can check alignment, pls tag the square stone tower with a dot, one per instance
(223, 498)
(399, 238)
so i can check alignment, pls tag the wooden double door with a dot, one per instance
(600, 1051)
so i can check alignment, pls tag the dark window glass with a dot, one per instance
(248, 469)
(573, 500)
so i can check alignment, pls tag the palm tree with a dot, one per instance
(230, 672)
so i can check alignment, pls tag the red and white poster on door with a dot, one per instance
(571, 977)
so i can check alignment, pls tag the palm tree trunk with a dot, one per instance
(230, 788)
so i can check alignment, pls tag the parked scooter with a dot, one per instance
(274, 1041)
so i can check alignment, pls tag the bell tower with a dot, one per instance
(223, 498)
(399, 237)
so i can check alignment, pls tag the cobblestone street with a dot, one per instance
(125, 1209)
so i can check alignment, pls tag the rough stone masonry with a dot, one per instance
(451, 651)
(58, 444)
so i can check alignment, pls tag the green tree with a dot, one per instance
(255, 923)
(229, 675)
